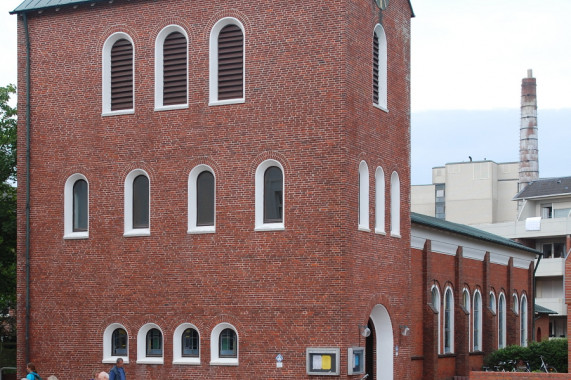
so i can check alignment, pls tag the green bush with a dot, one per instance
(554, 352)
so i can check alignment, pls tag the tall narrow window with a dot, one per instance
(448, 321)
(363, 196)
(205, 199)
(122, 75)
(171, 68)
(141, 202)
(523, 321)
(270, 214)
(137, 204)
(76, 207)
(477, 321)
(492, 304)
(501, 321)
(189, 341)
(380, 201)
(515, 303)
(154, 343)
(227, 62)
(80, 206)
(119, 343)
(395, 204)
(228, 344)
(273, 195)
(380, 67)
(435, 302)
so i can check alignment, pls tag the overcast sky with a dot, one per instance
(466, 55)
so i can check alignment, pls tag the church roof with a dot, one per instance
(465, 230)
(36, 5)
(546, 187)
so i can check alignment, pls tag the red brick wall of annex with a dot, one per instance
(307, 106)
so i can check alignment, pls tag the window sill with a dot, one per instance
(396, 235)
(380, 232)
(229, 362)
(117, 113)
(226, 102)
(172, 107)
(364, 229)
(381, 107)
(270, 227)
(113, 359)
(186, 361)
(137, 232)
(76, 235)
(150, 361)
(201, 230)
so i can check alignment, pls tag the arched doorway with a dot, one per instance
(379, 345)
(538, 335)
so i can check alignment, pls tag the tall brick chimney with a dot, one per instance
(528, 143)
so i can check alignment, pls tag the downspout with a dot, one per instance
(533, 299)
(28, 123)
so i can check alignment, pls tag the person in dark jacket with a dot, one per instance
(117, 372)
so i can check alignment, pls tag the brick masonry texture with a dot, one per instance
(308, 105)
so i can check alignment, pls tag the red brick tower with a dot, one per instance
(219, 296)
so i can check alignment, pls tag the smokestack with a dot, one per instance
(528, 147)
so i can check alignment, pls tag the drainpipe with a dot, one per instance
(28, 123)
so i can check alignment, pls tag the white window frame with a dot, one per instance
(383, 68)
(380, 201)
(492, 304)
(68, 208)
(467, 306)
(142, 357)
(107, 336)
(363, 224)
(215, 358)
(450, 342)
(192, 194)
(502, 315)
(477, 316)
(177, 349)
(159, 65)
(213, 60)
(128, 205)
(395, 205)
(436, 307)
(259, 197)
(106, 75)
(523, 321)
(515, 301)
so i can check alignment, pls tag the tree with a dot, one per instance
(8, 141)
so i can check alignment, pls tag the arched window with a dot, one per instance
(201, 200)
(448, 321)
(115, 343)
(515, 303)
(227, 47)
(501, 321)
(76, 207)
(224, 345)
(270, 196)
(186, 345)
(477, 321)
(523, 321)
(171, 68)
(154, 343)
(363, 196)
(150, 345)
(380, 67)
(492, 304)
(395, 204)
(435, 302)
(466, 300)
(137, 204)
(118, 74)
(379, 201)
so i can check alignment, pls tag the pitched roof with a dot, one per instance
(543, 310)
(465, 230)
(546, 187)
(36, 5)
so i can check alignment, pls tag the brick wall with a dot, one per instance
(308, 105)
